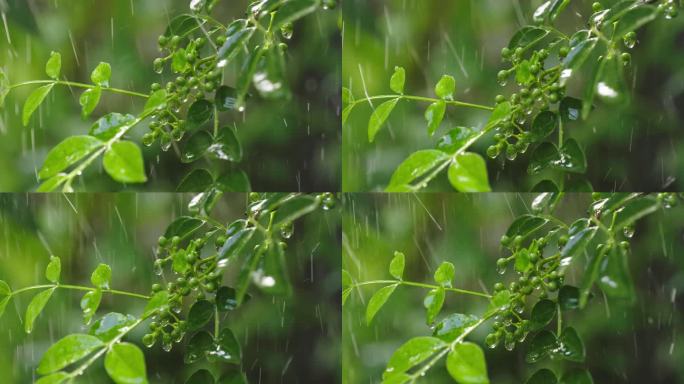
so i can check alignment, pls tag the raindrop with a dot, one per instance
(287, 230)
(628, 231)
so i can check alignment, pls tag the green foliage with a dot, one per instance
(541, 247)
(125, 364)
(542, 60)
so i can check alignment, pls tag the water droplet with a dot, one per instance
(628, 231)
(287, 230)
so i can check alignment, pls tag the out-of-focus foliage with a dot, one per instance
(624, 343)
(284, 338)
(633, 147)
(125, 35)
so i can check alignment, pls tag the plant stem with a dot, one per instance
(421, 285)
(456, 103)
(79, 288)
(79, 85)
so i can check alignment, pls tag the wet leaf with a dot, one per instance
(55, 378)
(68, 153)
(199, 180)
(398, 80)
(233, 181)
(572, 347)
(434, 116)
(89, 101)
(591, 274)
(456, 139)
(199, 113)
(468, 173)
(466, 364)
(433, 302)
(526, 37)
(237, 36)
(500, 300)
(237, 236)
(545, 186)
(199, 315)
(568, 297)
(53, 68)
(611, 87)
(101, 75)
(525, 225)
(445, 88)
(614, 277)
(226, 98)
(225, 299)
(293, 209)
(125, 364)
(197, 347)
(522, 260)
(34, 101)
(578, 55)
(53, 269)
(634, 211)
(183, 227)
(35, 307)
(542, 376)
(635, 18)
(227, 146)
(396, 267)
(412, 353)
(570, 109)
(542, 314)
(545, 123)
(445, 274)
(101, 276)
(110, 326)
(124, 163)
(416, 166)
(294, 10)
(593, 75)
(569, 158)
(541, 346)
(182, 25)
(157, 101)
(66, 351)
(226, 349)
(376, 302)
(200, 377)
(196, 147)
(271, 276)
(579, 236)
(578, 376)
(379, 117)
(157, 301)
(549, 10)
(234, 377)
(523, 74)
(453, 326)
(89, 304)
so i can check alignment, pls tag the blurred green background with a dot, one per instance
(634, 148)
(634, 344)
(289, 145)
(284, 340)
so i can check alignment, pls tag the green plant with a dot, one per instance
(192, 257)
(540, 248)
(542, 60)
(184, 112)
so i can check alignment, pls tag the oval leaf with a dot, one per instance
(466, 364)
(34, 101)
(377, 301)
(125, 364)
(379, 117)
(53, 269)
(35, 307)
(124, 163)
(53, 68)
(417, 165)
(468, 173)
(66, 351)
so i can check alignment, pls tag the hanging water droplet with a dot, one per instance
(166, 142)
(287, 230)
(628, 231)
(287, 30)
(166, 346)
(509, 344)
(158, 268)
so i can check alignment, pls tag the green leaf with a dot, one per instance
(197, 347)
(293, 209)
(541, 346)
(568, 297)
(157, 101)
(549, 10)
(500, 113)
(570, 109)
(226, 98)
(453, 326)
(89, 101)
(594, 76)
(579, 236)
(89, 304)
(466, 364)
(500, 301)
(445, 274)
(179, 61)
(578, 376)
(234, 377)
(445, 88)
(571, 346)
(110, 326)
(199, 180)
(433, 302)
(199, 113)
(35, 307)
(237, 35)
(526, 37)
(434, 116)
(53, 68)
(525, 225)
(53, 269)
(456, 139)
(376, 302)
(233, 181)
(543, 376)
(34, 101)
(468, 173)
(226, 349)
(416, 166)
(396, 267)
(546, 186)
(614, 277)
(55, 378)
(577, 56)
(66, 351)
(611, 87)
(591, 274)
(182, 25)
(196, 147)
(634, 211)
(227, 146)
(124, 163)
(68, 153)
(546, 200)
(183, 227)
(125, 364)
(157, 301)
(412, 353)
(398, 80)
(545, 123)
(200, 377)
(199, 315)
(523, 73)
(5, 296)
(101, 75)
(569, 158)
(237, 236)
(635, 18)
(542, 314)
(111, 125)
(101, 276)
(294, 10)
(271, 276)
(522, 260)
(379, 117)
(225, 299)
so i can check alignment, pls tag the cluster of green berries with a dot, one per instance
(540, 275)
(541, 89)
(195, 76)
(201, 276)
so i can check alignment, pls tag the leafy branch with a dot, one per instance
(192, 257)
(542, 61)
(197, 49)
(540, 248)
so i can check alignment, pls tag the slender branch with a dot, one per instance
(456, 103)
(421, 285)
(79, 288)
(79, 85)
